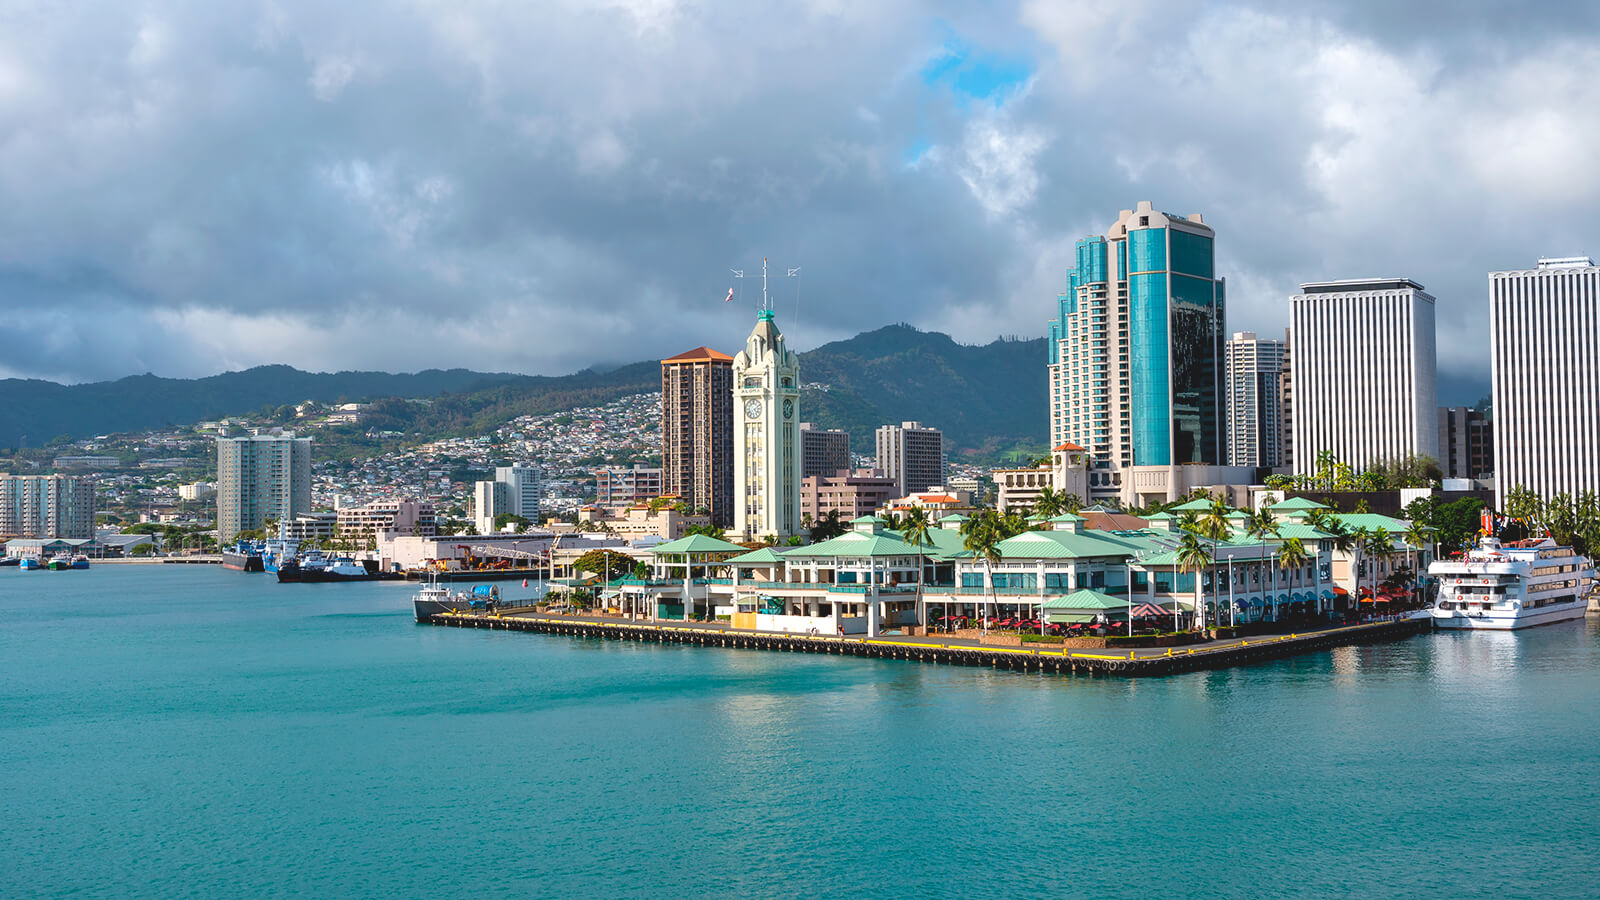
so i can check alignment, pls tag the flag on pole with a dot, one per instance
(728, 298)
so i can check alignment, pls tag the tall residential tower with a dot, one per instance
(697, 431)
(1256, 391)
(261, 477)
(1544, 348)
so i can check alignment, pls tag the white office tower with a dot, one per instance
(524, 489)
(1544, 348)
(514, 490)
(1257, 423)
(766, 440)
(911, 454)
(1363, 371)
(261, 477)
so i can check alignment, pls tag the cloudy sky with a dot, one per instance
(191, 187)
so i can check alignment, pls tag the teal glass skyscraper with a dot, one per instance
(1136, 348)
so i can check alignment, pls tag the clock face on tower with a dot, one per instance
(788, 409)
(752, 408)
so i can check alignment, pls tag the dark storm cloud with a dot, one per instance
(186, 187)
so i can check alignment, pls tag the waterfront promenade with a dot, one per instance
(1131, 662)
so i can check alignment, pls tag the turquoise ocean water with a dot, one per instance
(176, 731)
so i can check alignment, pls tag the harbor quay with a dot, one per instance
(1133, 662)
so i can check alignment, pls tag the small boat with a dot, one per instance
(1518, 585)
(316, 568)
(31, 563)
(80, 561)
(10, 561)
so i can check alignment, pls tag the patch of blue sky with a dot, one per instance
(974, 74)
(916, 151)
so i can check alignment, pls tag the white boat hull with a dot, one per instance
(1509, 620)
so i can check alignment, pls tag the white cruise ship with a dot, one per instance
(1518, 585)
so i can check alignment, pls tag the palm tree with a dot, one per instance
(1260, 525)
(1192, 557)
(981, 536)
(1343, 539)
(1378, 546)
(1292, 556)
(1214, 524)
(1050, 503)
(1417, 538)
(1013, 523)
(892, 521)
(914, 530)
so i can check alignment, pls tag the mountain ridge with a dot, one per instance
(982, 396)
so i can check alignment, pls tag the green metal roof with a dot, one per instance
(697, 543)
(1288, 530)
(1159, 517)
(764, 556)
(862, 520)
(956, 517)
(1065, 545)
(1067, 517)
(1297, 503)
(856, 543)
(1085, 599)
(1195, 506)
(1373, 520)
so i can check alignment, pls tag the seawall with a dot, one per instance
(1129, 663)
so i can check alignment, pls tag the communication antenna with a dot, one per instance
(795, 274)
(766, 302)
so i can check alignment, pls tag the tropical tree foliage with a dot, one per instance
(608, 564)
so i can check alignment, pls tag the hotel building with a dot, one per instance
(1544, 328)
(1363, 371)
(697, 431)
(1135, 358)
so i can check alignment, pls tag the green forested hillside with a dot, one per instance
(987, 398)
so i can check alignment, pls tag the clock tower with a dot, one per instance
(766, 435)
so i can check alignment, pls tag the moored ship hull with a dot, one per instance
(242, 562)
(1457, 620)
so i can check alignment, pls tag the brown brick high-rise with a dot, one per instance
(697, 431)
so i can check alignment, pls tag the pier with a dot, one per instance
(1133, 662)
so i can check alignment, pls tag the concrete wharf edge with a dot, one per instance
(1104, 662)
